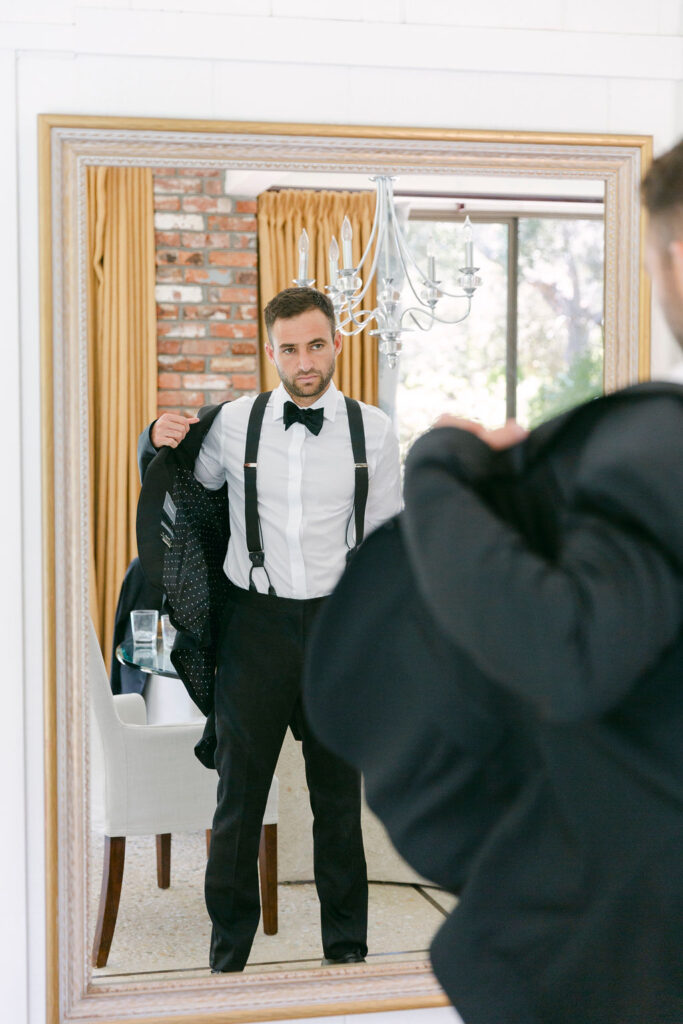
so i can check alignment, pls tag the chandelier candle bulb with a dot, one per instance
(469, 245)
(333, 258)
(431, 261)
(303, 255)
(347, 236)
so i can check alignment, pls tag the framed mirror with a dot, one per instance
(68, 146)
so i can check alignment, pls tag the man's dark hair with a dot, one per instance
(662, 187)
(293, 301)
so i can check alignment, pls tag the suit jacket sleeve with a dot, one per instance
(570, 635)
(146, 450)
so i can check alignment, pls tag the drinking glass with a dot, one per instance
(144, 622)
(168, 632)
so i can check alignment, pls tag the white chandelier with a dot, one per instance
(396, 263)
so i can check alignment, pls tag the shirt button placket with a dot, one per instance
(295, 509)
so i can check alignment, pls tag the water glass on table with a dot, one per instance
(144, 623)
(168, 633)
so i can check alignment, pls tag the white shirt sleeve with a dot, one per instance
(384, 489)
(209, 467)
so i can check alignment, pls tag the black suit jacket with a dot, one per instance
(504, 662)
(182, 534)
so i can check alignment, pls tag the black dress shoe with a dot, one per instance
(346, 958)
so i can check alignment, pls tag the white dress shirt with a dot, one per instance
(305, 486)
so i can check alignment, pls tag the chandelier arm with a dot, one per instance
(416, 321)
(357, 299)
(370, 314)
(460, 318)
(360, 325)
(379, 210)
(454, 295)
(349, 334)
(438, 319)
(343, 326)
(404, 250)
(406, 270)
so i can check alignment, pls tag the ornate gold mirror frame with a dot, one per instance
(67, 146)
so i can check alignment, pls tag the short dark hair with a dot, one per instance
(293, 301)
(662, 187)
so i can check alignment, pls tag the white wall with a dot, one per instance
(608, 66)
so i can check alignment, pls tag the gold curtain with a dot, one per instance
(122, 371)
(281, 217)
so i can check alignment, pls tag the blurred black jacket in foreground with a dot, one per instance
(504, 662)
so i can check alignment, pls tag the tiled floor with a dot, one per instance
(166, 932)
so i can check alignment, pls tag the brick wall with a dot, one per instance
(206, 290)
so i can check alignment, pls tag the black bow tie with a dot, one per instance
(311, 418)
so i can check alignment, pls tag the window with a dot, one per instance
(533, 344)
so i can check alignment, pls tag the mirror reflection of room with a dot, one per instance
(207, 249)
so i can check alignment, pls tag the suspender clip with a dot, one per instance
(258, 559)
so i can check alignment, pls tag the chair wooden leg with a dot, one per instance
(112, 876)
(208, 841)
(267, 862)
(164, 860)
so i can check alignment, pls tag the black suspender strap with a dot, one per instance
(253, 527)
(360, 459)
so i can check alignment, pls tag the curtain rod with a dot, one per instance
(407, 194)
(516, 196)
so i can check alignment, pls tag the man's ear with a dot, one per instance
(337, 342)
(270, 353)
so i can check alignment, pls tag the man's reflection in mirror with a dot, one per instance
(308, 474)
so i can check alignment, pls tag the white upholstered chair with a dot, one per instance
(168, 702)
(146, 780)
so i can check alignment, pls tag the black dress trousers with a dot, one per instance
(257, 696)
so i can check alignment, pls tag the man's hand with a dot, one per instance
(170, 429)
(502, 437)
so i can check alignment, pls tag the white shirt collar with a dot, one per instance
(328, 402)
